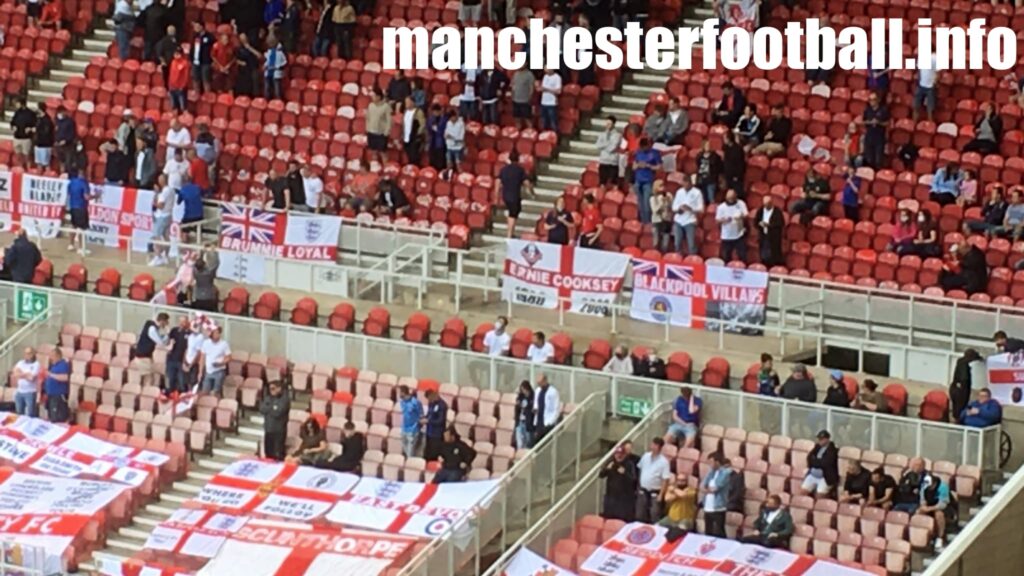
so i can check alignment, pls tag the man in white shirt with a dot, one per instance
(655, 474)
(687, 206)
(547, 408)
(468, 99)
(731, 217)
(176, 169)
(620, 363)
(540, 351)
(177, 138)
(927, 78)
(214, 362)
(26, 373)
(497, 341)
(550, 88)
(163, 210)
(314, 187)
(196, 338)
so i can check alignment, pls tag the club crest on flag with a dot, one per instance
(707, 547)
(532, 254)
(641, 535)
(437, 527)
(661, 308)
(321, 482)
(388, 490)
(758, 557)
(313, 230)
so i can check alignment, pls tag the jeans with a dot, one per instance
(272, 88)
(178, 99)
(874, 153)
(175, 377)
(709, 189)
(321, 46)
(467, 108)
(213, 382)
(124, 39)
(445, 476)
(523, 436)
(490, 112)
(690, 232)
(737, 247)
(549, 117)
(57, 409)
(25, 404)
(409, 442)
(643, 200)
(736, 183)
(648, 509)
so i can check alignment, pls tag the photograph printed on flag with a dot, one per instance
(1006, 377)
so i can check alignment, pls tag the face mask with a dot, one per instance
(499, 325)
(904, 218)
(921, 219)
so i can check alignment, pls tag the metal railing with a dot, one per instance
(584, 498)
(41, 329)
(18, 559)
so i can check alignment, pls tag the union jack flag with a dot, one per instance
(646, 267)
(673, 271)
(677, 272)
(248, 224)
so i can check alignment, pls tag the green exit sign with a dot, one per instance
(30, 303)
(633, 407)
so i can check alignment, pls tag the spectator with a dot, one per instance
(730, 107)
(903, 233)
(734, 164)
(398, 89)
(646, 163)
(124, 28)
(662, 215)
(927, 77)
(195, 341)
(1013, 219)
(871, 399)
(313, 447)
(524, 417)
(57, 388)
(835, 394)
(621, 362)
(468, 100)
(967, 195)
(492, 84)
(983, 412)
(435, 422)
(419, 94)
(774, 526)
(767, 377)
(353, 447)
(681, 505)
(513, 179)
(125, 134)
(497, 341)
(312, 189)
(822, 467)
(988, 132)
(151, 336)
(391, 201)
(204, 292)
(731, 216)
(748, 128)
(43, 137)
(799, 386)
(378, 125)
(776, 137)
(965, 270)
(469, 12)
(273, 72)
(856, 486)
(414, 130)
(21, 258)
(523, 86)
(23, 124)
(222, 61)
(851, 195)
(960, 387)
(550, 88)
(79, 196)
(770, 225)
(288, 28)
(608, 144)
(876, 121)
(247, 61)
(881, 489)
(547, 408)
(296, 187)
(176, 169)
(557, 223)
(655, 475)
(154, 26)
(651, 366)
(198, 170)
(709, 170)
(166, 49)
(177, 139)
(540, 351)
(713, 490)
(216, 353)
(344, 19)
(437, 152)
(677, 122)
(412, 415)
(945, 187)
(878, 80)
(926, 240)
(174, 371)
(65, 138)
(118, 164)
(455, 457)
(687, 207)
(26, 374)
(201, 57)
(455, 140)
(814, 200)
(163, 212)
(1006, 344)
(853, 149)
(685, 418)
(621, 477)
(656, 125)
(932, 498)
(190, 196)
(272, 12)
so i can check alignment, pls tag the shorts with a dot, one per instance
(812, 484)
(925, 96)
(161, 226)
(34, 9)
(687, 430)
(513, 207)
(522, 111)
(23, 146)
(377, 142)
(455, 156)
(80, 218)
(43, 155)
(608, 173)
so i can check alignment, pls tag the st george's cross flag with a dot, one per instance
(278, 234)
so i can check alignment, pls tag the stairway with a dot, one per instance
(56, 76)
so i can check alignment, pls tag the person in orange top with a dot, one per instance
(199, 171)
(52, 15)
(592, 226)
(223, 56)
(178, 76)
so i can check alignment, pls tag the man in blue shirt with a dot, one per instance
(983, 412)
(412, 413)
(851, 194)
(646, 162)
(79, 195)
(685, 418)
(436, 421)
(57, 388)
(192, 197)
(876, 120)
(65, 137)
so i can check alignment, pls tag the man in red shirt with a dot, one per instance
(199, 171)
(592, 226)
(52, 16)
(179, 73)
(223, 56)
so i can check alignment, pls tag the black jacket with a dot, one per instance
(296, 189)
(353, 448)
(996, 124)
(709, 168)
(803, 390)
(837, 396)
(203, 43)
(734, 161)
(650, 369)
(44, 131)
(275, 411)
(524, 410)
(828, 463)
(23, 122)
(960, 387)
(773, 234)
(975, 270)
(621, 477)
(391, 196)
(457, 455)
(21, 260)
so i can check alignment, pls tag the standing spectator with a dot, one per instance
(79, 196)
(592, 225)
(963, 380)
(661, 216)
(118, 164)
(655, 474)
(43, 137)
(23, 123)
(523, 86)
(151, 336)
(22, 258)
(608, 144)
(815, 199)
(646, 163)
(312, 189)
(469, 12)
(770, 225)
(713, 488)
(709, 170)
(178, 139)
(57, 388)
(513, 179)
(550, 88)
(278, 186)
(734, 165)
(414, 129)
(851, 194)
(437, 151)
(681, 505)
(65, 138)
(620, 363)
(288, 29)
(620, 476)
(247, 62)
(174, 370)
(965, 270)
(154, 28)
(547, 408)
(774, 526)
(412, 414)
(399, 89)
(988, 132)
(983, 412)
(435, 422)
(540, 351)
(124, 28)
(201, 57)
(799, 386)
(456, 457)
(166, 49)
(731, 216)
(191, 197)
(26, 375)
(687, 207)
(191, 366)
(176, 169)
(730, 107)
(946, 184)
(767, 377)
(198, 170)
(296, 187)
(204, 292)
(776, 137)
(273, 72)
(835, 394)
(344, 19)
(685, 418)
(163, 211)
(925, 93)
(524, 417)
(856, 486)
(557, 223)
(492, 84)
(822, 467)
(222, 60)
(273, 11)
(378, 125)
(455, 139)
(881, 489)
(468, 99)
(275, 408)
(878, 80)
(876, 123)
(216, 353)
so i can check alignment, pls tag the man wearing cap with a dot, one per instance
(836, 394)
(125, 134)
(799, 386)
(822, 467)
(620, 476)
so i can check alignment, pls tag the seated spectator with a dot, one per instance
(657, 124)
(871, 399)
(313, 448)
(1006, 344)
(558, 223)
(799, 386)
(946, 184)
(398, 89)
(685, 418)
(353, 447)
(730, 107)
(497, 340)
(853, 152)
(881, 489)
(965, 270)
(52, 16)
(926, 240)
(988, 132)
(651, 366)
(851, 194)
(856, 486)
(921, 492)
(815, 200)
(967, 195)
(993, 213)
(621, 362)
(1013, 219)
(767, 377)
(822, 467)
(456, 458)
(362, 188)
(776, 137)
(391, 201)
(678, 122)
(835, 394)
(21, 258)
(774, 525)
(983, 412)
(748, 127)
(540, 351)
(681, 505)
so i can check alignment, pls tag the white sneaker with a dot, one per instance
(154, 261)
(161, 260)
(71, 247)
(84, 252)
(939, 545)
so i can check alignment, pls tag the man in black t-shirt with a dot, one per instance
(855, 487)
(881, 490)
(513, 178)
(23, 123)
(296, 188)
(119, 165)
(178, 339)
(278, 186)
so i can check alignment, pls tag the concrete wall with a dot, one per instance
(999, 550)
